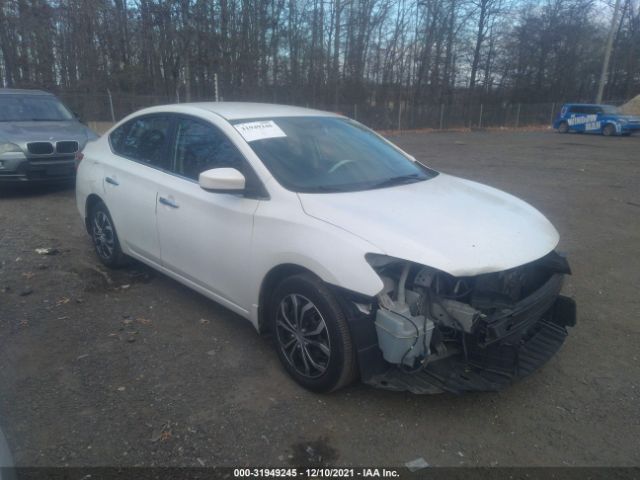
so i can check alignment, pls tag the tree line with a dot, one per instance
(322, 52)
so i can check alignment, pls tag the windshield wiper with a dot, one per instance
(399, 180)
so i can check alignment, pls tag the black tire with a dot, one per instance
(325, 372)
(609, 130)
(563, 127)
(104, 237)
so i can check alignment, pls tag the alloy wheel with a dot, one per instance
(302, 336)
(103, 235)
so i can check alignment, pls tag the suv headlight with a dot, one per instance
(6, 147)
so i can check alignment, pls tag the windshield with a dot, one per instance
(328, 154)
(26, 108)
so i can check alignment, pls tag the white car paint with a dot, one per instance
(455, 225)
(224, 244)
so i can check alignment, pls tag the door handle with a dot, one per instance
(111, 181)
(168, 202)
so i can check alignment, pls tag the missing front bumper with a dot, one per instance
(489, 368)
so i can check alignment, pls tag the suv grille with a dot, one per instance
(40, 148)
(67, 147)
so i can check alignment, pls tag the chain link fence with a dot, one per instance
(102, 110)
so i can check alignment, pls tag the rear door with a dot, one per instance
(141, 162)
(577, 117)
(205, 237)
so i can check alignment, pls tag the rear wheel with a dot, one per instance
(105, 238)
(609, 130)
(563, 127)
(311, 334)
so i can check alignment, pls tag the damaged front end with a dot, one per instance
(432, 332)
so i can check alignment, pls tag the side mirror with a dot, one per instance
(222, 180)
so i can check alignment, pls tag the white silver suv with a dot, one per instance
(357, 258)
(39, 137)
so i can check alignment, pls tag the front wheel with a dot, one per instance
(311, 334)
(609, 130)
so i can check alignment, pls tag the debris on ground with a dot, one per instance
(417, 464)
(26, 291)
(162, 433)
(204, 321)
(143, 321)
(311, 452)
(47, 251)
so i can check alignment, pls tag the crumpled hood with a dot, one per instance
(455, 225)
(21, 132)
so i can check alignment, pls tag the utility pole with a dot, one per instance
(607, 52)
(113, 115)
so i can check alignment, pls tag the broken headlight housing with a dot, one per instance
(424, 314)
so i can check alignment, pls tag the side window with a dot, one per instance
(144, 139)
(200, 146)
(578, 109)
(117, 137)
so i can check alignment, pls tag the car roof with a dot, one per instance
(21, 91)
(241, 110)
(587, 105)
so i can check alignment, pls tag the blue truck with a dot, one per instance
(591, 118)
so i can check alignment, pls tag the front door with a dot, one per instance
(205, 237)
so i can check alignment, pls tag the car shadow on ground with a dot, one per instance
(22, 190)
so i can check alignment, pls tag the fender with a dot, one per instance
(284, 235)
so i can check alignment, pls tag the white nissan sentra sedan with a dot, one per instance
(359, 260)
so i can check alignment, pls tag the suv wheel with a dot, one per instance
(563, 127)
(609, 130)
(311, 334)
(105, 238)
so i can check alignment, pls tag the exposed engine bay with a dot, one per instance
(438, 333)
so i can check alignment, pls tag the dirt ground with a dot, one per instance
(131, 368)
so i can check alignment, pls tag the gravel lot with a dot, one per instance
(131, 368)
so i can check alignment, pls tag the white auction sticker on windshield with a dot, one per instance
(261, 130)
